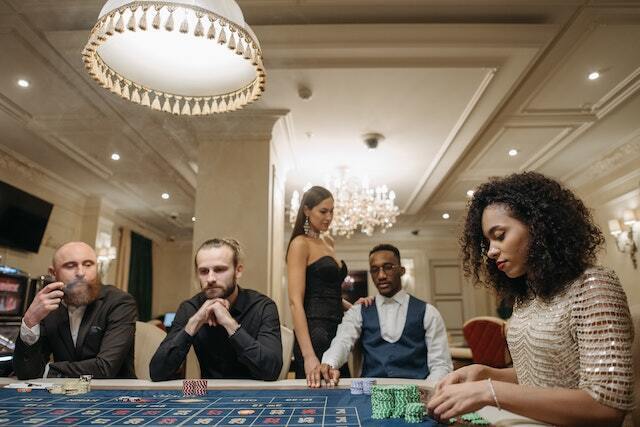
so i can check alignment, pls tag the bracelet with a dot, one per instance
(493, 393)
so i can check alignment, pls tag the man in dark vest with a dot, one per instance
(402, 336)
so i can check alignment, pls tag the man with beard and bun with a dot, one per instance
(235, 331)
(87, 326)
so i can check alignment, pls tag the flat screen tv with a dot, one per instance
(23, 219)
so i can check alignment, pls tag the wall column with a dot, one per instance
(236, 189)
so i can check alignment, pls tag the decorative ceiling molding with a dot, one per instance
(419, 195)
(619, 94)
(70, 150)
(20, 165)
(614, 159)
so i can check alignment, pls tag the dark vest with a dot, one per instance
(405, 358)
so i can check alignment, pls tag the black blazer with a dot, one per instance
(104, 347)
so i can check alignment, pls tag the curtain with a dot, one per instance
(124, 255)
(141, 275)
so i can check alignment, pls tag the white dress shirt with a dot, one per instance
(31, 335)
(392, 313)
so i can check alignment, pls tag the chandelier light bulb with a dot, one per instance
(24, 83)
(187, 58)
(356, 205)
(513, 152)
(594, 75)
(115, 156)
(446, 215)
(165, 196)
(470, 193)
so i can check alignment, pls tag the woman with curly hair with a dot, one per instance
(570, 336)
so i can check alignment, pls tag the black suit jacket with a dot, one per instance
(104, 347)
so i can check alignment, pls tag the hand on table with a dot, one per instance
(451, 400)
(323, 372)
(46, 301)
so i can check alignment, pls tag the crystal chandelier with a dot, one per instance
(192, 57)
(356, 205)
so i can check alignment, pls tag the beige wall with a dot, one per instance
(65, 222)
(611, 257)
(172, 280)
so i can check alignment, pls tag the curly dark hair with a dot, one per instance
(563, 239)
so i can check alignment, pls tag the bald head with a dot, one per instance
(71, 249)
(75, 264)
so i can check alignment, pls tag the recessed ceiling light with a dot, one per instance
(115, 156)
(165, 196)
(470, 193)
(513, 152)
(23, 83)
(193, 219)
(446, 215)
(594, 75)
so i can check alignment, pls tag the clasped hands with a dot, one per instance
(213, 312)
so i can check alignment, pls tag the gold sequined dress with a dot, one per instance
(579, 339)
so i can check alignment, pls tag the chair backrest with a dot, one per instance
(287, 350)
(148, 339)
(192, 370)
(487, 340)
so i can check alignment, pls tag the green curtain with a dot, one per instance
(141, 275)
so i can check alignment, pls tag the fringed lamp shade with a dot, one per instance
(195, 57)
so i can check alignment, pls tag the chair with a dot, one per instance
(148, 338)
(193, 366)
(287, 351)
(486, 337)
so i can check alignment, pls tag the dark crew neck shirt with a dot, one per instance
(254, 351)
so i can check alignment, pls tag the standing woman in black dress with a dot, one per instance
(315, 281)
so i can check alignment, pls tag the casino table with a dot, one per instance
(227, 403)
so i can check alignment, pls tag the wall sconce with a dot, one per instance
(627, 234)
(105, 256)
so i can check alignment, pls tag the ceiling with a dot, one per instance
(452, 87)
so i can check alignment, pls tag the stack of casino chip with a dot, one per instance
(194, 387)
(390, 401)
(404, 394)
(414, 412)
(80, 386)
(382, 402)
(356, 386)
(367, 383)
(472, 418)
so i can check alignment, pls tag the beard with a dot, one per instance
(222, 291)
(81, 292)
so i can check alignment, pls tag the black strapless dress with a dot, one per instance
(323, 307)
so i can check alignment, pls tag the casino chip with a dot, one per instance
(194, 387)
(414, 412)
(390, 401)
(471, 418)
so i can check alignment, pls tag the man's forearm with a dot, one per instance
(96, 367)
(170, 355)
(262, 357)
(28, 360)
